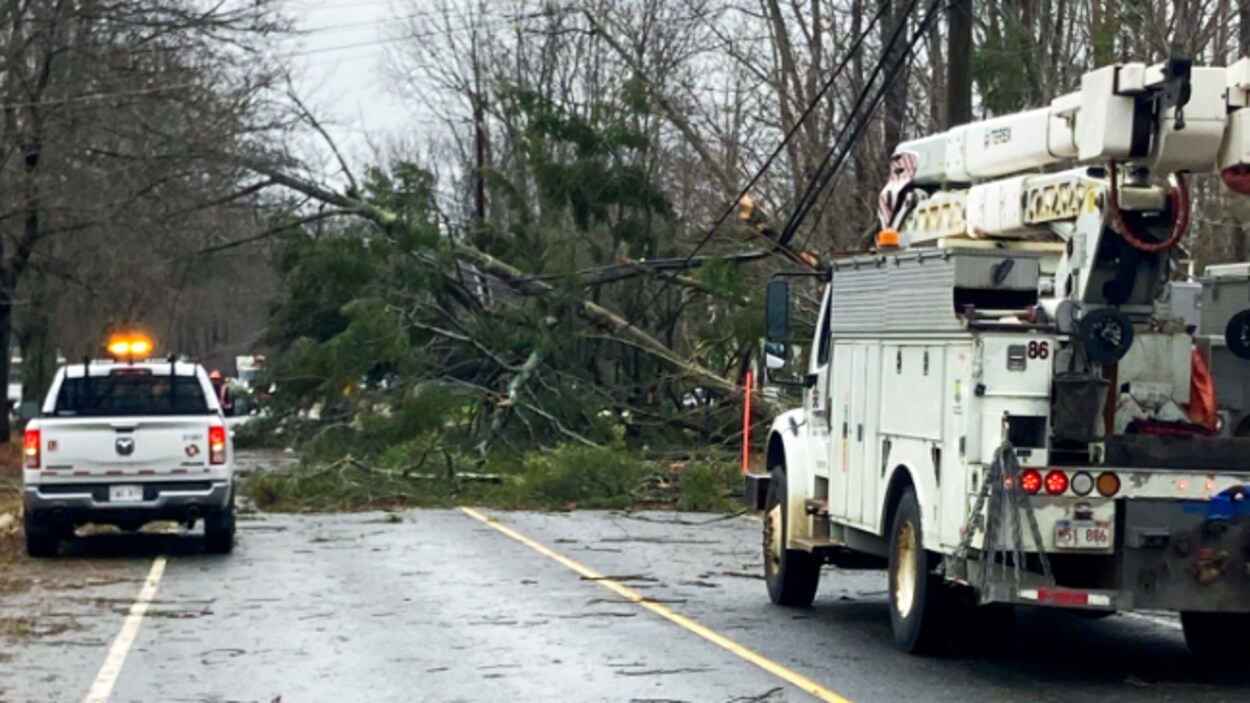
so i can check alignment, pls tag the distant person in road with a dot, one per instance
(222, 389)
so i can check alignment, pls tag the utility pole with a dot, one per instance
(895, 16)
(479, 148)
(958, 63)
(479, 151)
(479, 158)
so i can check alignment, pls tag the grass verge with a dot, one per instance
(12, 542)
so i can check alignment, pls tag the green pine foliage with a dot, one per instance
(400, 363)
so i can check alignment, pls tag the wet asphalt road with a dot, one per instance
(440, 607)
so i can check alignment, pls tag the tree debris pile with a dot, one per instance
(407, 445)
(396, 334)
(427, 474)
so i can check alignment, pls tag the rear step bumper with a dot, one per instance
(1075, 598)
(165, 500)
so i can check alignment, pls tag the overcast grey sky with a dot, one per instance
(339, 69)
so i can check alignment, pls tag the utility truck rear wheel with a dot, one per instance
(916, 595)
(1219, 636)
(792, 575)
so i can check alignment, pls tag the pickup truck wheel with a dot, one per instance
(792, 575)
(41, 540)
(219, 530)
(915, 592)
(1218, 636)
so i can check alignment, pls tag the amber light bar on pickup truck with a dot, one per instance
(129, 346)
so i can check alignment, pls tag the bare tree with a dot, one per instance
(113, 118)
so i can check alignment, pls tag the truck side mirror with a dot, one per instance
(776, 356)
(777, 311)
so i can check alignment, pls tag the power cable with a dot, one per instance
(421, 35)
(811, 106)
(814, 184)
(437, 14)
(345, 6)
(789, 135)
(101, 96)
(863, 124)
(183, 86)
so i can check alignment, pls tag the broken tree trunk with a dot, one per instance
(601, 318)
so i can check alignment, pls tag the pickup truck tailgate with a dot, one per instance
(103, 444)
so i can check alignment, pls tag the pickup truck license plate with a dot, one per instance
(1083, 534)
(126, 494)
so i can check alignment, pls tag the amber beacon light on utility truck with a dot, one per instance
(1017, 399)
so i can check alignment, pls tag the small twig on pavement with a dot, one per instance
(757, 699)
(680, 521)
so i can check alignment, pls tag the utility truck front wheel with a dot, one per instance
(792, 575)
(915, 592)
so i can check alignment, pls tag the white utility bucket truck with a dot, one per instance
(1003, 403)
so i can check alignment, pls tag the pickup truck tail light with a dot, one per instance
(216, 444)
(31, 444)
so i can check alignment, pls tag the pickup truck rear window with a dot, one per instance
(125, 395)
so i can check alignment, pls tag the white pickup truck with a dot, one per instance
(127, 444)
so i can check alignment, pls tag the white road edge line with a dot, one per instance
(102, 687)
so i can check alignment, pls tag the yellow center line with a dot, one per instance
(788, 675)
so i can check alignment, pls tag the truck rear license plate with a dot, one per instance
(125, 494)
(1083, 534)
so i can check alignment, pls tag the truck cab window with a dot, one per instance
(130, 395)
